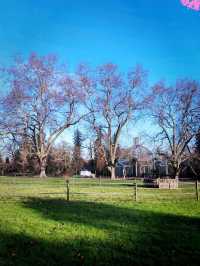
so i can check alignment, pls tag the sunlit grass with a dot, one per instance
(100, 225)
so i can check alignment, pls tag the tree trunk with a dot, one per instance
(112, 171)
(175, 167)
(176, 172)
(43, 164)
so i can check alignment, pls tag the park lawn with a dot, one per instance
(100, 225)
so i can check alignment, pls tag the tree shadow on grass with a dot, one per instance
(133, 237)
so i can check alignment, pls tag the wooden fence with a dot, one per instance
(97, 189)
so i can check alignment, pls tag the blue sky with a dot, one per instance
(164, 36)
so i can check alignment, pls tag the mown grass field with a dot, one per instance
(100, 225)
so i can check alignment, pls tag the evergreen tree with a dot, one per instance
(77, 160)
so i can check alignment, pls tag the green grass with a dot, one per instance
(101, 225)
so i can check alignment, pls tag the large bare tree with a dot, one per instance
(43, 101)
(114, 98)
(174, 112)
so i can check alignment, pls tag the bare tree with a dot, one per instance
(43, 101)
(114, 99)
(174, 112)
(59, 160)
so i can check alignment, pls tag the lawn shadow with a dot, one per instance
(134, 237)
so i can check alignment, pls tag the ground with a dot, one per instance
(100, 225)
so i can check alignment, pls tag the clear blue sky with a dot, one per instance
(164, 37)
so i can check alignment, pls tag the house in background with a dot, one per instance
(161, 165)
(126, 168)
(139, 161)
(135, 161)
(144, 158)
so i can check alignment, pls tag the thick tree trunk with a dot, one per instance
(176, 172)
(176, 168)
(43, 164)
(112, 171)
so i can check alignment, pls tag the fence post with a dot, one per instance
(136, 192)
(67, 183)
(197, 189)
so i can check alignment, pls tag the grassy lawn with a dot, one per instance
(101, 225)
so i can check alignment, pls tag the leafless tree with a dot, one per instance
(174, 111)
(114, 98)
(43, 101)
